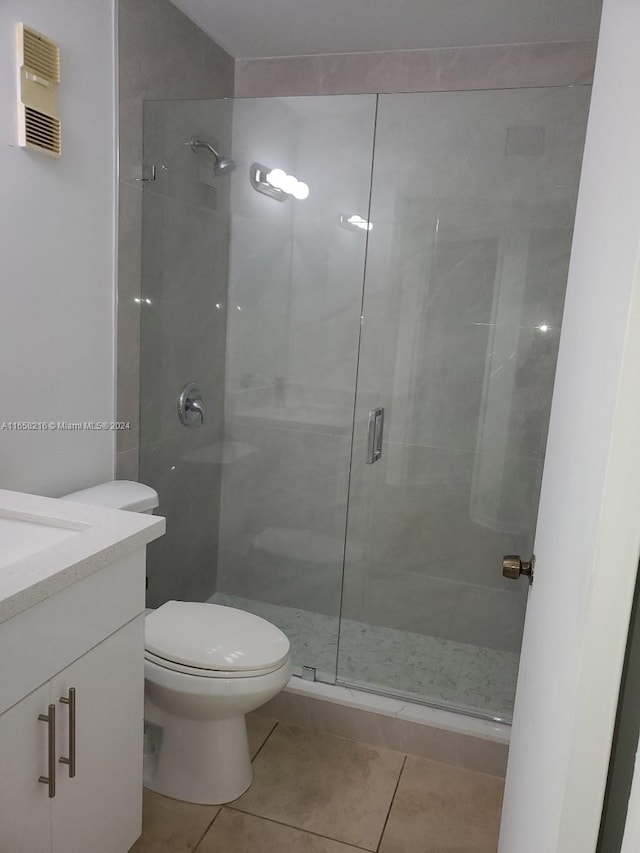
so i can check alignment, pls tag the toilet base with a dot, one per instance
(200, 761)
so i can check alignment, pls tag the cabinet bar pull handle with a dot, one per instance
(70, 700)
(50, 720)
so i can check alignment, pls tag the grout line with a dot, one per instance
(200, 840)
(395, 791)
(275, 725)
(273, 728)
(299, 828)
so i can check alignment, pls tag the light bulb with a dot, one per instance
(275, 177)
(300, 191)
(288, 184)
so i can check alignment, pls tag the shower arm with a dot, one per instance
(197, 143)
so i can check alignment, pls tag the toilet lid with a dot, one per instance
(214, 637)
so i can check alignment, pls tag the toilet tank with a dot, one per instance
(118, 494)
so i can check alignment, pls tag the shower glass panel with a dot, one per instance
(294, 303)
(258, 301)
(472, 210)
(385, 576)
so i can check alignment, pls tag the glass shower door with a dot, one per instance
(293, 313)
(471, 219)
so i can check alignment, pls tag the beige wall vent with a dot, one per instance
(39, 125)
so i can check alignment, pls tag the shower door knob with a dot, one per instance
(513, 567)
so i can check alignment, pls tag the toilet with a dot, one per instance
(206, 666)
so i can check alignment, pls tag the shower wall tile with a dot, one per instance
(444, 69)
(295, 275)
(185, 251)
(185, 472)
(410, 515)
(183, 332)
(164, 55)
(294, 315)
(128, 316)
(259, 303)
(127, 465)
(283, 515)
(161, 54)
(422, 543)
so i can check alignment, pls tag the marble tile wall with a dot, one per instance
(185, 249)
(163, 55)
(445, 69)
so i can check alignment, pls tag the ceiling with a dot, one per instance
(262, 28)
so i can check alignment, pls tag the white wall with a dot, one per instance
(588, 535)
(57, 256)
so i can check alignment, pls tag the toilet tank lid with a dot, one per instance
(118, 494)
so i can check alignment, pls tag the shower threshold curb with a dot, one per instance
(401, 709)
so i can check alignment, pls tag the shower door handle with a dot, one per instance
(374, 442)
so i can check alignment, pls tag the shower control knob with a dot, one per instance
(190, 405)
(513, 567)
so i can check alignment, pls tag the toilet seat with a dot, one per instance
(213, 641)
(208, 673)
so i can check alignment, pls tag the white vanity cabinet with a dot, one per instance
(83, 644)
(99, 807)
(25, 814)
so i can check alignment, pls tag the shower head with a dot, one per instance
(223, 165)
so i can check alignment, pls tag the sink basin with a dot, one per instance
(22, 538)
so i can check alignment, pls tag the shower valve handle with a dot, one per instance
(196, 406)
(190, 405)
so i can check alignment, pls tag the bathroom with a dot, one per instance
(295, 324)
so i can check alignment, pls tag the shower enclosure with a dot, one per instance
(408, 309)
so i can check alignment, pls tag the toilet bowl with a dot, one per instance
(206, 666)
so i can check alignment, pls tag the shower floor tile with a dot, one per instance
(415, 666)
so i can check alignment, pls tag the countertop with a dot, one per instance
(105, 535)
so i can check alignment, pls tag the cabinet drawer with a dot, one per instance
(40, 642)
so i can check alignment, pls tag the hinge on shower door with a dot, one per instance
(309, 673)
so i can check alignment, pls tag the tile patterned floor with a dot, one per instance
(317, 793)
(455, 675)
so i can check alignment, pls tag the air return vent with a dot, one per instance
(40, 55)
(42, 131)
(38, 82)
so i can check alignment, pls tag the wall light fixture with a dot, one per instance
(276, 183)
